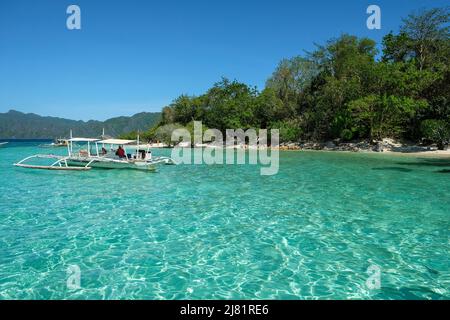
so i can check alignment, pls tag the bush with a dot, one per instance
(290, 130)
(164, 132)
(437, 131)
(346, 134)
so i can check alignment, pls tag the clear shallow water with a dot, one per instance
(225, 232)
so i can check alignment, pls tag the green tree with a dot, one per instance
(421, 53)
(268, 108)
(346, 73)
(168, 115)
(384, 116)
(289, 81)
(164, 133)
(230, 104)
(429, 32)
(437, 131)
(187, 109)
(289, 130)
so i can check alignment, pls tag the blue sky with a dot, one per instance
(132, 56)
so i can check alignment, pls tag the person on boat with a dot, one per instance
(104, 151)
(120, 152)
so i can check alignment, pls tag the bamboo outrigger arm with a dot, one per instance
(59, 164)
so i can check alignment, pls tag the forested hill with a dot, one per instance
(345, 89)
(15, 124)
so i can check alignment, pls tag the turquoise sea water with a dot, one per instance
(225, 232)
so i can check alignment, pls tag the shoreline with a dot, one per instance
(424, 153)
(429, 154)
(384, 146)
(411, 150)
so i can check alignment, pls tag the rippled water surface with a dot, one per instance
(225, 232)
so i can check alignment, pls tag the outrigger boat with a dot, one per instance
(95, 155)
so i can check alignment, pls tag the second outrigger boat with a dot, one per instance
(56, 144)
(94, 154)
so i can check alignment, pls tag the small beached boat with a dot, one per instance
(87, 153)
(56, 144)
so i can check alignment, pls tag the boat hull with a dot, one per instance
(52, 145)
(110, 164)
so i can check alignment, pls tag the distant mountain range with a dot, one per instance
(17, 125)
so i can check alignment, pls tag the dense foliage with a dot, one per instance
(344, 89)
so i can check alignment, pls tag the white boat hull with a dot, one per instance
(109, 164)
(52, 145)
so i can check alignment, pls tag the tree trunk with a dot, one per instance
(422, 56)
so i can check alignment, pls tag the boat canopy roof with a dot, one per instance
(116, 141)
(82, 140)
